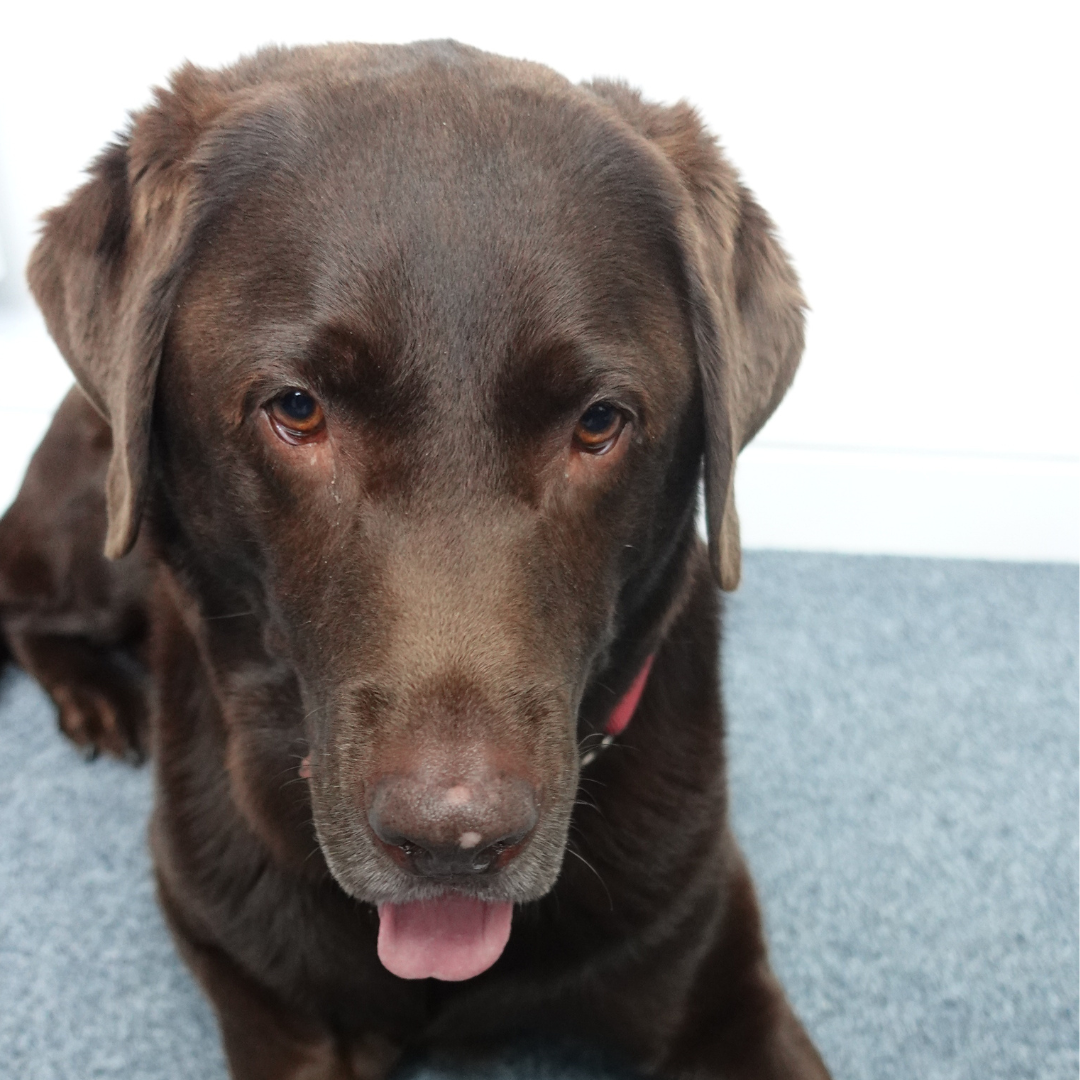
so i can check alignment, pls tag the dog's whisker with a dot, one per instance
(578, 855)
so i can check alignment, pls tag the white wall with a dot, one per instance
(919, 159)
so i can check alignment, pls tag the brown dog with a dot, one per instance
(407, 360)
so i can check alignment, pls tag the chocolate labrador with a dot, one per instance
(398, 368)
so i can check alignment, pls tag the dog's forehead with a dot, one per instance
(451, 219)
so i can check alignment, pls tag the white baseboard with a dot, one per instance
(909, 503)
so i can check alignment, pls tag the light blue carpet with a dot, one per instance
(903, 740)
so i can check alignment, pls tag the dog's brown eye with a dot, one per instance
(599, 427)
(296, 414)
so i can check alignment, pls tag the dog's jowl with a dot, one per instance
(371, 521)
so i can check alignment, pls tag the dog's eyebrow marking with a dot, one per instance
(469, 839)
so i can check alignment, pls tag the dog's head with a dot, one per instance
(416, 354)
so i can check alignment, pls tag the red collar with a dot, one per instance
(623, 712)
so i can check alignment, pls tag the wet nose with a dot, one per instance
(453, 828)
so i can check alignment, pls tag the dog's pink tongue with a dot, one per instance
(452, 938)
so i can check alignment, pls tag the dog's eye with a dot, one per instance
(599, 427)
(296, 414)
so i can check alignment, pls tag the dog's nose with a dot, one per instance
(447, 829)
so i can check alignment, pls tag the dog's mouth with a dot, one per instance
(452, 937)
(443, 832)
(441, 915)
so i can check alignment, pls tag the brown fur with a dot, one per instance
(455, 254)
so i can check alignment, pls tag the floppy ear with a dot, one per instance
(745, 304)
(753, 299)
(106, 273)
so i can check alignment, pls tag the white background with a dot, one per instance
(919, 159)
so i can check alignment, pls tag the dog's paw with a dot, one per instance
(98, 724)
(100, 692)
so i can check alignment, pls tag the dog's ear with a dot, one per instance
(744, 300)
(750, 326)
(106, 273)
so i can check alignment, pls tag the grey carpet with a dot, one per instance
(903, 741)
